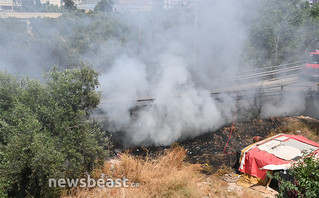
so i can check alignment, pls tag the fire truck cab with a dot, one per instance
(311, 70)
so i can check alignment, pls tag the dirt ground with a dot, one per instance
(206, 152)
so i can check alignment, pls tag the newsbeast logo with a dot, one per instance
(102, 182)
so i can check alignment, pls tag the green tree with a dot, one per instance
(276, 34)
(104, 6)
(46, 131)
(312, 28)
(69, 5)
(314, 11)
(31, 6)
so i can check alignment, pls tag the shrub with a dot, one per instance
(305, 182)
(46, 132)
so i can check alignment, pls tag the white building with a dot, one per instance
(6, 5)
(53, 2)
(88, 4)
(134, 6)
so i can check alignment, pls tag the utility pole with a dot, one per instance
(195, 33)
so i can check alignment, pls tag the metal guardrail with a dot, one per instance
(266, 78)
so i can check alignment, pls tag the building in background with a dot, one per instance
(87, 5)
(52, 2)
(6, 5)
(134, 6)
(130, 6)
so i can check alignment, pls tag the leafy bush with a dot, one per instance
(305, 182)
(45, 131)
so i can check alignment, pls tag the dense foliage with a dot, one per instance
(280, 32)
(74, 37)
(305, 182)
(45, 131)
(104, 6)
(283, 31)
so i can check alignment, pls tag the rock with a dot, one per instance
(229, 179)
(230, 188)
(117, 151)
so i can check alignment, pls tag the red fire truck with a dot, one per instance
(311, 70)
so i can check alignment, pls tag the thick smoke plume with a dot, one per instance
(172, 58)
(176, 50)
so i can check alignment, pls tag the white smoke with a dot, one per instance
(179, 110)
(188, 46)
(123, 84)
(288, 104)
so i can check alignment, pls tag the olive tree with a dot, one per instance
(46, 131)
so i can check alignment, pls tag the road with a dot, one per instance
(27, 15)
